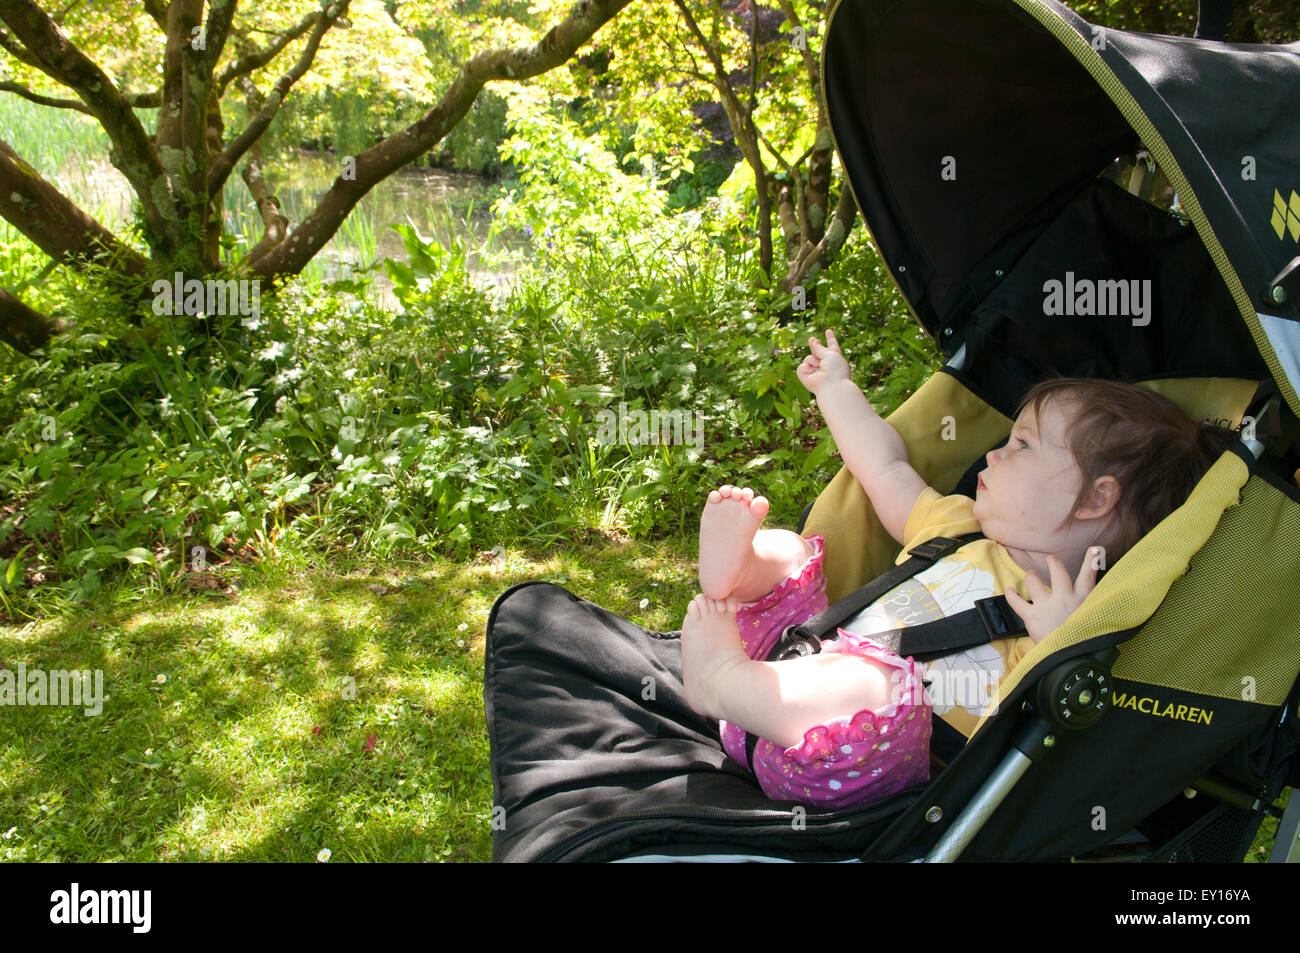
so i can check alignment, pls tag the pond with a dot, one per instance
(442, 205)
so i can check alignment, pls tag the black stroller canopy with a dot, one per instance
(968, 127)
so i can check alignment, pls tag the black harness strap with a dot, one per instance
(991, 618)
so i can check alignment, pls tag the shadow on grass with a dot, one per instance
(310, 711)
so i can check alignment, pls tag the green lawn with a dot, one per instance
(231, 730)
(255, 745)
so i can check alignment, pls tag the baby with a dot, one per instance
(1090, 467)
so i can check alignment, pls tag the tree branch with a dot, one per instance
(59, 58)
(224, 164)
(24, 329)
(809, 61)
(26, 93)
(183, 114)
(390, 154)
(268, 205)
(158, 10)
(221, 14)
(816, 256)
(54, 223)
(18, 51)
(259, 58)
(746, 134)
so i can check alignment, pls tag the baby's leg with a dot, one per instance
(779, 701)
(737, 559)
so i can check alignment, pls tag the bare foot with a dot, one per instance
(731, 517)
(710, 646)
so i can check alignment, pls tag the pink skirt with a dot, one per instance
(850, 762)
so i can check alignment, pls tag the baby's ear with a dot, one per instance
(1105, 496)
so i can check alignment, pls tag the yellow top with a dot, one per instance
(962, 686)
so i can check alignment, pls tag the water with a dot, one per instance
(439, 204)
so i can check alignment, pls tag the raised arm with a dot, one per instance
(872, 450)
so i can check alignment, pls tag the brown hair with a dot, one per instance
(1153, 449)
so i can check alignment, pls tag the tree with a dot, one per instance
(762, 65)
(178, 173)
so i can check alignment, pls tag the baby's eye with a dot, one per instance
(1023, 444)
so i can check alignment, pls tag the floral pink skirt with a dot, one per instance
(851, 762)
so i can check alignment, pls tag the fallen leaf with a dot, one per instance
(208, 582)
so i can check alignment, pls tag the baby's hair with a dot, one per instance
(1153, 449)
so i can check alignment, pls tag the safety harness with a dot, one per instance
(991, 618)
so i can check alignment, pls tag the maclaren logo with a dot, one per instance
(1163, 709)
(1286, 215)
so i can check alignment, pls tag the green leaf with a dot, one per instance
(15, 566)
(401, 530)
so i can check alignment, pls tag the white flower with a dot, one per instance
(160, 678)
(643, 603)
(324, 856)
(9, 834)
(462, 627)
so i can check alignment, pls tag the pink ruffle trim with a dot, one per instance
(825, 742)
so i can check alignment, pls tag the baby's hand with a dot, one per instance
(1050, 608)
(825, 365)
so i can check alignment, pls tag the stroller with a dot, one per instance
(994, 147)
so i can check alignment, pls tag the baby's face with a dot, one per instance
(1029, 486)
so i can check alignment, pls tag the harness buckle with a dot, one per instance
(1000, 620)
(936, 548)
(795, 644)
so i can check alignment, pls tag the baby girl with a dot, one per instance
(1089, 468)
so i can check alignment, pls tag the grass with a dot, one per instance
(252, 748)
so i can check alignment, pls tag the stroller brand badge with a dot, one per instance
(1085, 297)
(1286, 215)
(1163, 709)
